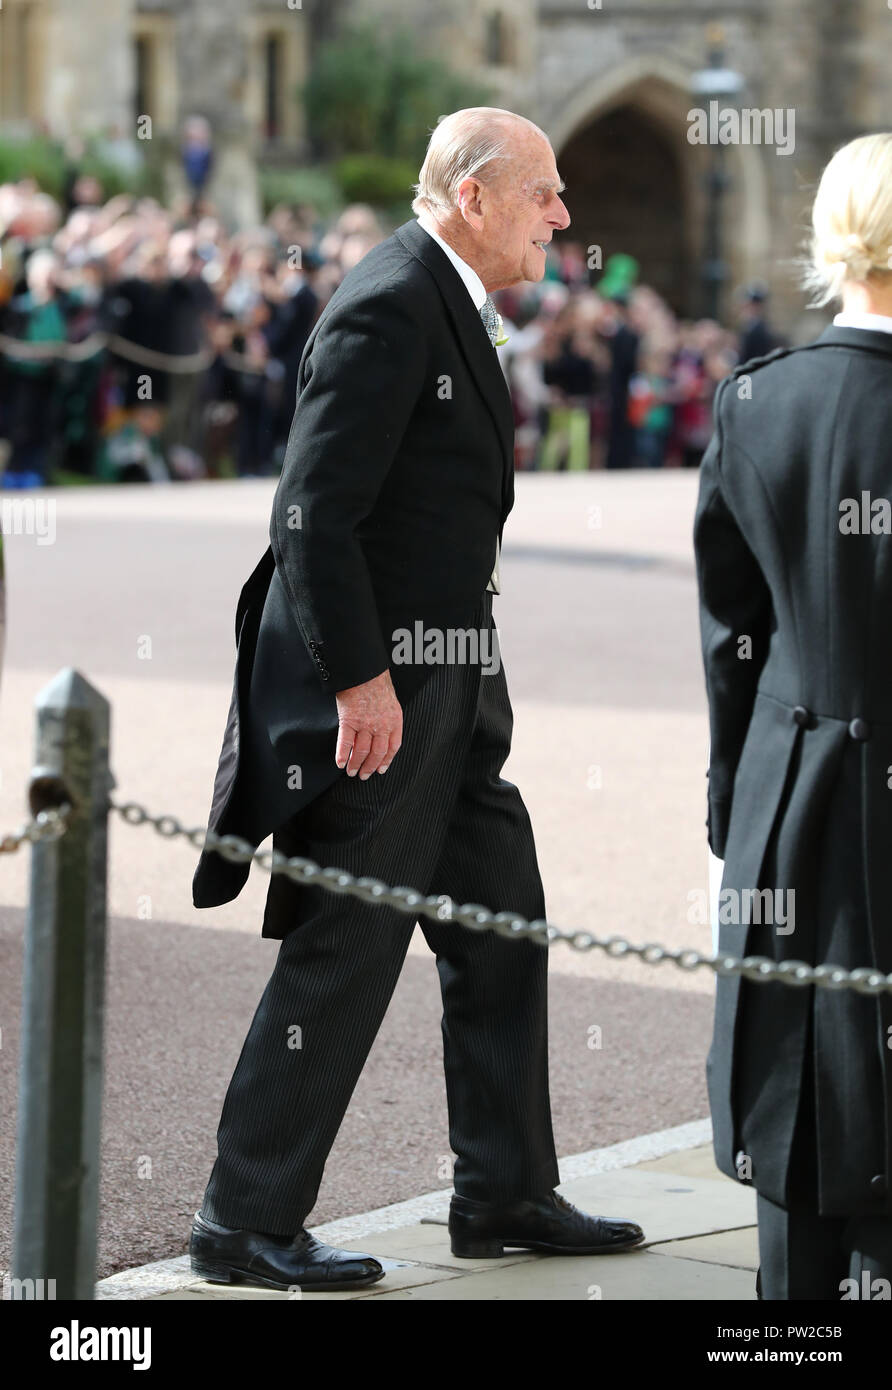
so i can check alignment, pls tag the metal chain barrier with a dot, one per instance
(58, 1148)
(864, 980)
(21, 350)
(51, 825)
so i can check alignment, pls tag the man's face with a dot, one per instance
(521, 209)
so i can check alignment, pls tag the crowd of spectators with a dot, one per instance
(139, 342)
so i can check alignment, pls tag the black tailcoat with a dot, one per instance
(796, 621)
(396, 483)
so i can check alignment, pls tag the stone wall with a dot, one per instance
(88, 71)
(575, 66)
(583, 64)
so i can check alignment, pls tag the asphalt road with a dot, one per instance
(598, 633)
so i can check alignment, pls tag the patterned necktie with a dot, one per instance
(490, 319)
(491, 323)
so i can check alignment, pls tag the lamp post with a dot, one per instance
(717, 83)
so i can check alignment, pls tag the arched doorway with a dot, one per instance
(626, 193)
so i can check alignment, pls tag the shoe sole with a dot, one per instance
(495, 1249)
(229, 1274)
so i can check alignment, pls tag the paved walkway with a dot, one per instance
(598, 632)
(700, 1227)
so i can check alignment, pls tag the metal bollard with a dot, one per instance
(60, 1078)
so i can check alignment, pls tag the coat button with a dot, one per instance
(859, 729)
(801, 716)
(878, 1186)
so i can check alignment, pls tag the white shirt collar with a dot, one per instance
(876, 323)
(471, 280)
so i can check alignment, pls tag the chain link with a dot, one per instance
(50, 824)
(864, 980)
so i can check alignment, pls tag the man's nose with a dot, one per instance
(559, 215)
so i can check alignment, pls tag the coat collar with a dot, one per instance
(871, 340)
(473, 340)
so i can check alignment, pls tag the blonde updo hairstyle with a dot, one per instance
(852, 219)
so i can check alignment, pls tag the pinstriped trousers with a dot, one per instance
(442, 820)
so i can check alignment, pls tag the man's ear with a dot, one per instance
(469, 202)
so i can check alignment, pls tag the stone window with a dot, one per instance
(18, 99)
(498, 40)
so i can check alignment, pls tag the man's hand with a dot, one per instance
(370, 726)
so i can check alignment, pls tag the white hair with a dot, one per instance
(852, 218)
(466, 144)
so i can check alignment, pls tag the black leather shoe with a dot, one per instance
(551, 1224)
(223, 1256)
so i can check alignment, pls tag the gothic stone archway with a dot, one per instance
(626, 192)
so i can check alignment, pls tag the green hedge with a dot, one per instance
(44, 161)
(386, 184)
(376, 179)
(316, 186)
(37, 159)
(372, 91)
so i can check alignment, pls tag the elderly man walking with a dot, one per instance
(383, 560)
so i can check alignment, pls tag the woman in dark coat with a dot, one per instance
(793, 538)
